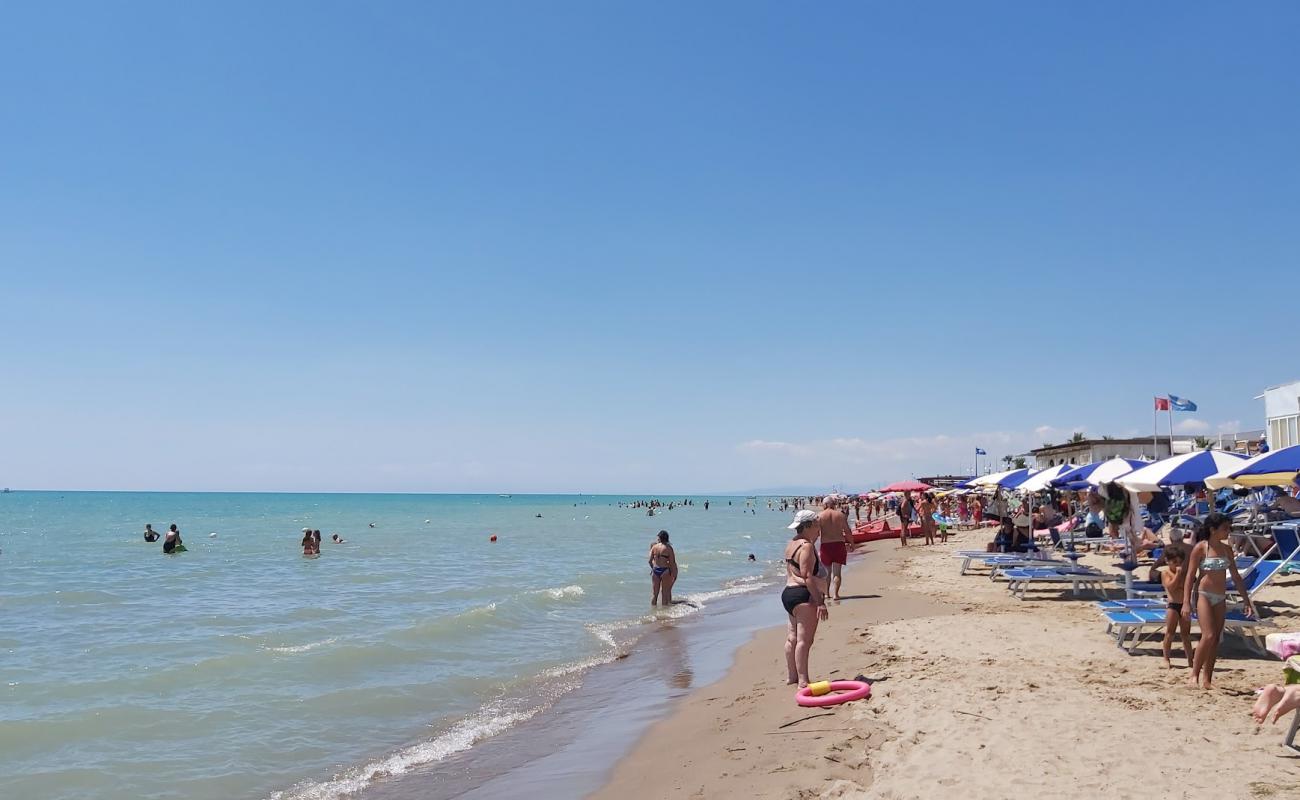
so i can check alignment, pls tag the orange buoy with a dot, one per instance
(492, 538)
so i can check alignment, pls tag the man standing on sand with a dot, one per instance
(837, 539)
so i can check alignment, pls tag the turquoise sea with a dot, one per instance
(239, 669)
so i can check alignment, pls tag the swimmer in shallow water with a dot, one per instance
(336, 539)
(173, 539)
(150, 535)
(309, 545)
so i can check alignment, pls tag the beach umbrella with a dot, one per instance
(907, 486)
(1277, 468)
(1007, 480)
(1097, 473)
(1191, 468)
(1224, 480)
(1041, 479)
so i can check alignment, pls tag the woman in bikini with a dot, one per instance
(926, 511)
(804, 596)
(1207, 574)
(663, 570)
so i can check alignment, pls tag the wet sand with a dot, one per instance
(976, 692)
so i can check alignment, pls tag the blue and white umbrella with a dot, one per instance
(1097, 473)
(1043, 478)
(1224, 480)
(1191, 468)
(1007, 480)
(1277, 468)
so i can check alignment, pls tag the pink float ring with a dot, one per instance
(848, 690)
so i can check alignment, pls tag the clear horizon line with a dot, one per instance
(751, 493)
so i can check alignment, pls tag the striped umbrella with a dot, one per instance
(1097, 473)
(1277, 468)
(1191, 468)
(1007, 480)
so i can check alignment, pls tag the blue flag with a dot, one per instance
(980, 452)
(1181, 404)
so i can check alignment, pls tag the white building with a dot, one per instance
(1282, 410)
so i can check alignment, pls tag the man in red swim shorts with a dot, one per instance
(837, 540)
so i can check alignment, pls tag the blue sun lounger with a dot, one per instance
(1140, 623)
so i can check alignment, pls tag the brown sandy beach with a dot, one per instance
(976, 692)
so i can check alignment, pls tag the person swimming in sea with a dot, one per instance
(310, 547)
(336, 539)
(150, 535)
(663, 570)
(173, 542)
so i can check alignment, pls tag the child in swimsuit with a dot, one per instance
(1172, 575)
(1207, 575)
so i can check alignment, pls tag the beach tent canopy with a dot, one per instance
(907, 486)
(1097, 473)
(1277, 468)
(1007, 480)
(1189, 468)
(1042, 479)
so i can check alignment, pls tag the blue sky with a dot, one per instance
(630, 247)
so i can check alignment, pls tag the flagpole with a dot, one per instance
(1155, 435)
(1171, 429)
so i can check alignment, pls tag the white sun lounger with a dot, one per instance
(1019, 580)
(988, 559)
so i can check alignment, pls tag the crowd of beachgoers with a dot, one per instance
(1191, 557)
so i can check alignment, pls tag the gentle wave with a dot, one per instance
(562, 592)
(302, 648)
(488, 722)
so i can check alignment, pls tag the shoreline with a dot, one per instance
(974, 691)
(718, 738)
(565, 750)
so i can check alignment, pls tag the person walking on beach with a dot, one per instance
(663, 570)
(804, 598)
(905, 509)
(1207, 577)
(926, 510)
(836, 541)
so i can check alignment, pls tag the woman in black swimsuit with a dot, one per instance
(804, 596)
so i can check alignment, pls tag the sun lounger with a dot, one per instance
(1262, 573)
(1138, 604)
(1139, 623)
(988, 559)
(1079, 578)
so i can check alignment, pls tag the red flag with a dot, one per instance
(1162, 404)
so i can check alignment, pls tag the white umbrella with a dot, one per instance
(1039, 480)
(1009, 479)
(1109, 471)
(1193, 467)
(1223, 478)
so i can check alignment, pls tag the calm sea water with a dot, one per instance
(240, 669)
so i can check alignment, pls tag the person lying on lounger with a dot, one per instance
(1275, 701)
